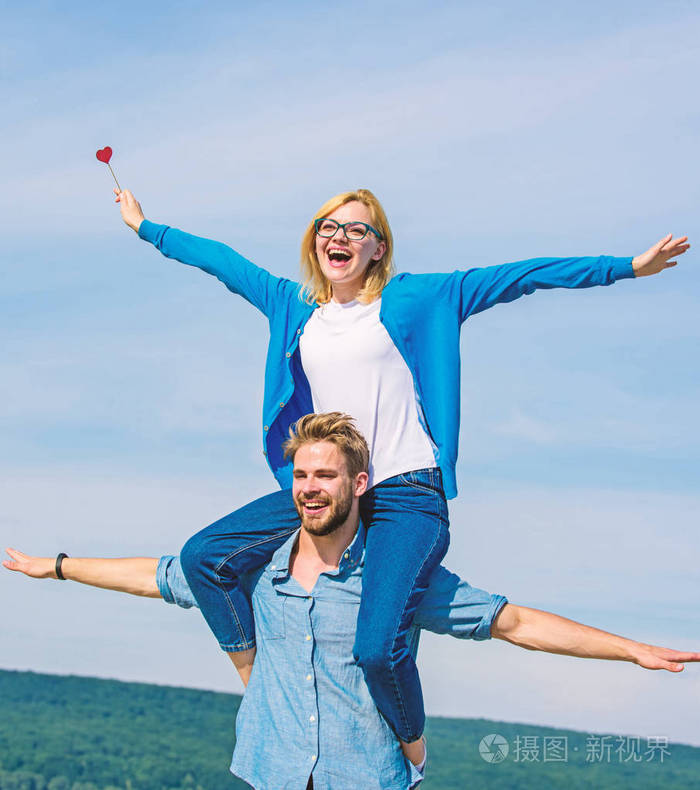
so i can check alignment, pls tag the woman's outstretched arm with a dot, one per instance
(479, 289)
(262, 289)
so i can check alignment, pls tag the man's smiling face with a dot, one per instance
(323, 490)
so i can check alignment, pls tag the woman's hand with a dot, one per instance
(657, 258)
(130, 208)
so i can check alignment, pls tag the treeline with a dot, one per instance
(85, 733)
(72, 733)
(26, 780)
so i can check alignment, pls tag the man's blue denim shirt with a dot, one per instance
(307, 708)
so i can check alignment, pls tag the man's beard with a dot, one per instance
(336, 515)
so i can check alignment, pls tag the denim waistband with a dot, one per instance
(430, 476)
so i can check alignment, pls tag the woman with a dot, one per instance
(357, 339)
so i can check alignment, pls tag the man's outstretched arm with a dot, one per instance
(135, 575)
(452, 606)
(537, 630)
(145, 576)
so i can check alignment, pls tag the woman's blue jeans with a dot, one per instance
(407, 537)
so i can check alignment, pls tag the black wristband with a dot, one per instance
(59, 560)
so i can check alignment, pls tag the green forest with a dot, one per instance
(75, 733)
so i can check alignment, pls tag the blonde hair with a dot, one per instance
(334, 427)
(316, 287)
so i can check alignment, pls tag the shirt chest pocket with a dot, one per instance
(269, 614)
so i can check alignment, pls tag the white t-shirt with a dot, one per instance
(354, 367)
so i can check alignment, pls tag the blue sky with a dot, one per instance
(132, 385)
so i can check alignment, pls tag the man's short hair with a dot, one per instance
(334, 427)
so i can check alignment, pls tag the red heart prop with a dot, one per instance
(105, 154)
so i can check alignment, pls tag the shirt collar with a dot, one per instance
(350, 558)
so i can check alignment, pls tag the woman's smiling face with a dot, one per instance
(344, 262)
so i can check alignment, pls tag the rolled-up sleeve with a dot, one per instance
(452, 606)
(172, 584)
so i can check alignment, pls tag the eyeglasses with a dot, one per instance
(354, 231)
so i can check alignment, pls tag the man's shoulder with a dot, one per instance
(260, 579)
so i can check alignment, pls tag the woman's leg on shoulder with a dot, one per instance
(214, 558)
(407, 537)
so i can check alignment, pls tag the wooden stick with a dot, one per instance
(113, 176)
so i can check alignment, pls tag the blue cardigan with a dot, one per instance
(422, 313)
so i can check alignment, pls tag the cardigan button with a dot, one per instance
(288, 355)
(281, 404)
(266, 427)
(298, 331)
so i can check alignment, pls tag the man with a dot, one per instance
(307, 718)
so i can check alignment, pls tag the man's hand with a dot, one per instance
(658, 257)
(36, 567)
(651, 657)
(130, 208)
